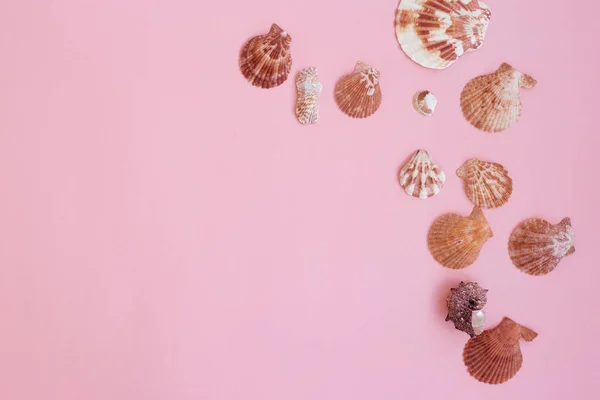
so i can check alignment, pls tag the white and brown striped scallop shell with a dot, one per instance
(487, 184)
(265, 60)
(359, 94)
(421, 177)
(495, 356)
(308, 89)
(491, 103)
(536, 246)
(436, 33)
(456, 241)
(424, 103)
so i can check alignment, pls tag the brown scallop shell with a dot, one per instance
(358, 94)
(495, 356)
(455, 241)
(436, 33)
(536, 246)
(487, 184)
(421, 177)
(491, 102)
(265, 60)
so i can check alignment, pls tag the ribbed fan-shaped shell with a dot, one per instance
(536, 246)
(436, 33)
(424, 102)
(421, 177)
(359, 94)
(308, 88)
(491, 103)
(265, 60)
(487, 184)
(495, 356)
(455, 241)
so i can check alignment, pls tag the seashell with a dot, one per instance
(487, 184)
(465, 303)
(536, 246)
(421, 177)
(491, 102)
(495, 355)
(265, 60)
(309, 88)
(424, 102)
(358, 94)
(436, 33)
(455, 241)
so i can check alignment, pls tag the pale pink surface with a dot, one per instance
(170, 232)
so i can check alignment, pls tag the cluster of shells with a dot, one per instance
(435, 34)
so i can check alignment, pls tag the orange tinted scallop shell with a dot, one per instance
(456, 241)
(487, 184)
(359, 94)
(495, 355)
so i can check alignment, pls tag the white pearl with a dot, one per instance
(478, 321)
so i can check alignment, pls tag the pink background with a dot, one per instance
(170, 232)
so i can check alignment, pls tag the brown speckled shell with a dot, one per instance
(265, 60)
(495, 356)
(462, 301)
(359, 94)
(487, 184)
(436, 33)
(455, 241)
(491, 103)
(536, 246)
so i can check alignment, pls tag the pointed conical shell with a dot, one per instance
(424, 102)
(358, 94)
(308, 88)
(421, 177)
(265, 60)
(455, 241)
(435, 33)
(487, 184)
(491, 102)
(495, 355)
(536, 246)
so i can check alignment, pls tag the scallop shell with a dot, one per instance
(465, 303)
(435, 33)
(309, 88)
(424, 102)
(358, 94)
(495, 355)
(455, 241)
(265, 60)
(421, 177)
(487, 184)
(491, 102)
(536, 246)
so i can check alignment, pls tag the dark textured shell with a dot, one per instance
(265, 60)
(455, 241)
(462, 301)
(436, 33)
(495, 356)
(536, 246)
(359, 94)
(491, 103)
